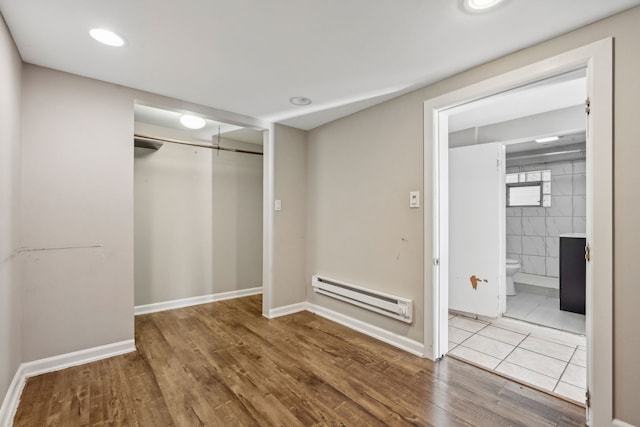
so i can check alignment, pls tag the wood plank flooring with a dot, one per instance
(223, 364)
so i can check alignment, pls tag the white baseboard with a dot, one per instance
(402, 342)
(187, 302)
(287, 309)
(55, 363)
(12, 398)
(63, 361)
(620, 423)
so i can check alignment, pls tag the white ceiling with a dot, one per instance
(251, 56)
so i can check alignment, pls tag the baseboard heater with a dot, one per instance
(380, 302)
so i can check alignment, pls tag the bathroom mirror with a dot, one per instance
(524, 194)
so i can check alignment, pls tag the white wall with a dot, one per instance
(10, 297)
(198, 219)
(289, 225)
(77, 175)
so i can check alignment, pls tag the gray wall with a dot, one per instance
(198, 219)
(360, 172)
(10, 285)
(289, 224)
(77, 175)
(356, 236)
(533, 233)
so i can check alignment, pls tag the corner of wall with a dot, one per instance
(10, 218)
(290, 222)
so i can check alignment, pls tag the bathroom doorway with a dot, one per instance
(596, 59)
(505, 299)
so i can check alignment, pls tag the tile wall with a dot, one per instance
(533, 233)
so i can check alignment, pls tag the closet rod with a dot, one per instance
(152, 139)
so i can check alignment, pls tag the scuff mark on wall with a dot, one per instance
(475, 280)
(405, 241)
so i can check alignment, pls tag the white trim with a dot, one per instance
(399, 341)
(187, 302)
(268, 200)
(597, 57)
(12, 398)
(55, 363)
(287, 309)
(67, 360)
(620, 423)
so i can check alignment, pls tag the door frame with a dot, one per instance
(597, 59)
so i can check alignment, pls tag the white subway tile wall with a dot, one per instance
(533, 233)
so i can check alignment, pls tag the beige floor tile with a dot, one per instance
(467, 324)
(527, 376)
(458, 335)
(575, 375)
(475, 357)
(579, 358)
(504, 335)
(537, 362)
(548, 348)
(570, 391)
(489, 346)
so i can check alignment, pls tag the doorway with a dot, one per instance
(198, 210)
(597, 59)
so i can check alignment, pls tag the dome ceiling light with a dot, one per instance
(192, 122)
(106, 37)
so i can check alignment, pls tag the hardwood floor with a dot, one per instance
(223, 364)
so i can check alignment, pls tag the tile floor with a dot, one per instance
(549, 359)
(544, 310)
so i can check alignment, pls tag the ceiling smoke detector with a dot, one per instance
(300, 100)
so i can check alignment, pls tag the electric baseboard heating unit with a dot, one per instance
(389, 305)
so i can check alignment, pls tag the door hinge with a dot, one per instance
(587, 106)
(587, 398)
(436, 261)
(587, 252)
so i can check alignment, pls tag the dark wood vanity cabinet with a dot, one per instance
(572, 273)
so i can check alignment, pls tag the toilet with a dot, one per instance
(513, 266)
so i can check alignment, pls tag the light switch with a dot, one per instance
(278, 205)
(414, 199)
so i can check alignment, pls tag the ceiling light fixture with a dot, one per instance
(547, 139)
(107, 37)
(192, 122)
(479, 5)
(300, 100)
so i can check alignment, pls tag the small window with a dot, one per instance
(524, 194)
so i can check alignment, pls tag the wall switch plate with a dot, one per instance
(278, 205)
(414, 199)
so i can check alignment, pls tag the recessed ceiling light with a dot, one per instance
(300, 100)
(480, 5)
(106, 37)
(548, 139)
(192, 122)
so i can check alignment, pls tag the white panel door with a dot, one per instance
(476, 229)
